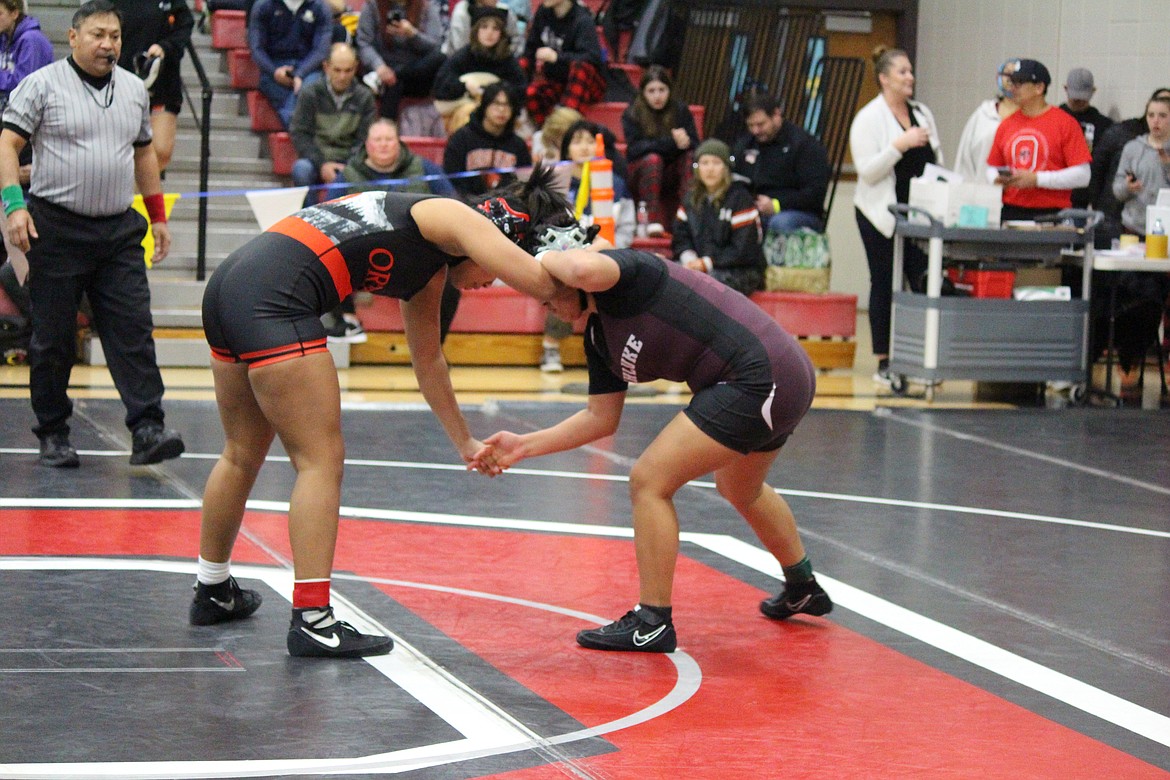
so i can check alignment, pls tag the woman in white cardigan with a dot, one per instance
(891, 140)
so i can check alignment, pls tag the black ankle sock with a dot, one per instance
(798, 573)
(658, 615)
(218, 590)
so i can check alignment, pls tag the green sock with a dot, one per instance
(798, 572)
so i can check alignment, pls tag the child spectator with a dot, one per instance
(463, 18)
(717, 229)
(578, 147)
(487, 59)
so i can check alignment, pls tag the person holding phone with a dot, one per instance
(288, 48)
(1144, 169)
(398, 41)
(892, 138)
(1039, 154)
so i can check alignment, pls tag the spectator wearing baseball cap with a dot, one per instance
(1043, 149)
(1079, 88)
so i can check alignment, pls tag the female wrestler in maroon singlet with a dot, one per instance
(752, 383)
(274, 376)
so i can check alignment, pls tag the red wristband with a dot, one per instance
(156, 208)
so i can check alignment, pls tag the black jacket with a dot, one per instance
(146, 22)
(1094, 125)
(730, 235)
(574, 38)
(638, 144)
(449, 87)
(793, 168)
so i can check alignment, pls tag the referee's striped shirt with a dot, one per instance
(83, 138)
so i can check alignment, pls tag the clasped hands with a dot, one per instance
(494, 454)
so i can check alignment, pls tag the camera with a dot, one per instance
(394, 15)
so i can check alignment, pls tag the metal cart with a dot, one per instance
(933, 337)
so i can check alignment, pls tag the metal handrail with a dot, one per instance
(204, 158)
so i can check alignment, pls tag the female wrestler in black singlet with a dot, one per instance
(752, 383)
(274, 376)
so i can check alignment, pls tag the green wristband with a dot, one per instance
(13, 197)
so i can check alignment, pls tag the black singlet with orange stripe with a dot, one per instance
(264, 302)
(361, 238)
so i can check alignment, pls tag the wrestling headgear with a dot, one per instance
(512, 222)
(560, 238)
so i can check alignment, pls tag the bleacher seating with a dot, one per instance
(659, 246)
(610, 115)
(499, 326)
(242, 70)
(426, 146)
(283, 153)
(264, 116)
(229, 30)
(808, 315)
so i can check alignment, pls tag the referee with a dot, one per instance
(89, 125)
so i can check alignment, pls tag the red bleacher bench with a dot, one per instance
(264, 116)
(610, 115)
(499, 309)
(659, 245)
(493, 309)
(242, 70)
(633, 72)
(283, 153)
(811, 314)
(229, 30)
(426, 146)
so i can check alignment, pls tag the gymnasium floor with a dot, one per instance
(1000, 578)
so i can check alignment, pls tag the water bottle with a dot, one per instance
(643, 219)
(1156, 241)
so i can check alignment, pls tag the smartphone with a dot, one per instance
(394, 15)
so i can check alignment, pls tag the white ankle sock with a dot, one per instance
(212, 573)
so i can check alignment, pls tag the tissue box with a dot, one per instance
(944, 200)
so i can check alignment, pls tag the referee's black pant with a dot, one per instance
(103, 258)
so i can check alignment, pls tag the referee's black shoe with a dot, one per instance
(153, 444)
(57, 452)
(801, 598)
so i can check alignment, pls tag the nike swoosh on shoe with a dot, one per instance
(333, 640)
(226, 606)
(641, 640)
(797, 606)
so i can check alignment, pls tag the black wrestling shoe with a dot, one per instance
(57, 452)
(805, 598)
(632, 632)
(327, 637)
(222, 602)
(153, 444)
